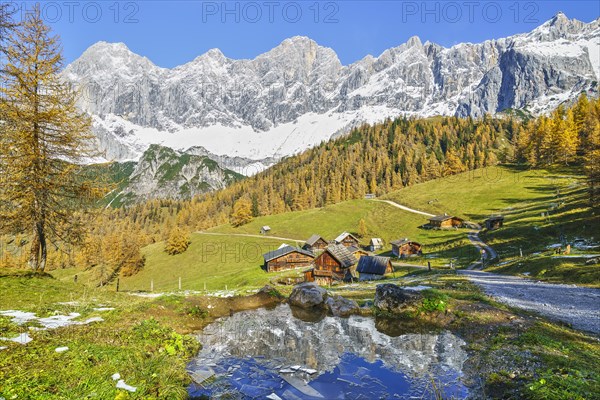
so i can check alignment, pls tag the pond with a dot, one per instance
(275, 355)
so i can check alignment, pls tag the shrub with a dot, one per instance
(433, 301)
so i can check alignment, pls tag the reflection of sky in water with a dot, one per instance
(257, 353)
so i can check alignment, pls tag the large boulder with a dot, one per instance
(342, 307)
(394, 299)
(308, 295)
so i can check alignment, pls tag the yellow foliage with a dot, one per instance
(178, 242)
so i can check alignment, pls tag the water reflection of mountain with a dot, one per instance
(276, 334)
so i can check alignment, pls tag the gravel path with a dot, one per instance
(480, 244)
(578, 306)
(400, 206)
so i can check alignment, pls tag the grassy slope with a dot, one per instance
(519, 194)
(382, 220)
(217, 261)
(522, 196)
(235, 261)
(476, 194)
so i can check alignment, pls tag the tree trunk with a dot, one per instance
(34, 253)
(43, 248)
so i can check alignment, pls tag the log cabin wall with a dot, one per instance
(289, 261)
(325, 262)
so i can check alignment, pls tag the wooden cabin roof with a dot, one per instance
(443, 217)
(342, 255)
(343, 235)
(401, 242)
(376, 242)
(283, 251)
(355, 249)
(376, 265)
(314, 239)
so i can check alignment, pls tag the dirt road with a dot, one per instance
(578, 306)
(481, 245)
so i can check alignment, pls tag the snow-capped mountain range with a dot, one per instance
(299, 94)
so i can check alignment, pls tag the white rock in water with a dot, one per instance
(61, 349)
(273, 396)
(122, 385)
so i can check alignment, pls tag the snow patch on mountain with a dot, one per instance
(242, 140)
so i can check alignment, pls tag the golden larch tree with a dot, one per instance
(45, 140)
(242, 212)
(178, 241)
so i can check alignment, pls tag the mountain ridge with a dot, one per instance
(298, 94)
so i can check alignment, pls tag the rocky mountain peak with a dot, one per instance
(561, 27)
(299, 94)
(214, 54)
(414, 41)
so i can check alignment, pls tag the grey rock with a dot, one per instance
(394, 299)
(308, 295)
(593, 261)
(342, 307)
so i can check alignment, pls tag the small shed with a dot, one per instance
(494, 222)
(405, 248)
(375, 244)
(265, 229)
(373, 267)
(333, 264)
(315, 243)
(287, 257)
(370, 196)
(347, 239)
(445, 221)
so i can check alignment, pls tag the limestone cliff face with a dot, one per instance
(253, 112)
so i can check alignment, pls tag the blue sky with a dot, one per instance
(171, 33)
